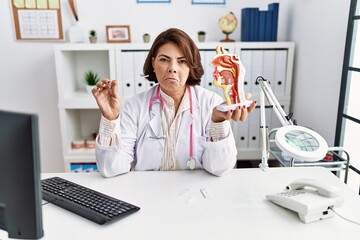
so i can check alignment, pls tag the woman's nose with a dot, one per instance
(173, 67)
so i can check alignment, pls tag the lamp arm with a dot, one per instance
(265, 148)
(266, 92)
(270, 97)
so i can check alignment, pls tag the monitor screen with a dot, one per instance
(20, 186)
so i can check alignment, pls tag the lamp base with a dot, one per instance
(264, 168)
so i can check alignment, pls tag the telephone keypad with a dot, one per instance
(291, 193)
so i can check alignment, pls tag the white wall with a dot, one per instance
(319, 30)
(317, 27)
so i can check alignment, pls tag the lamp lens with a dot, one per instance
(301, 140)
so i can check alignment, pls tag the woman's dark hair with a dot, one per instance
(187, 47)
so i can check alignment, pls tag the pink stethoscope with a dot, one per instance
(191, 163)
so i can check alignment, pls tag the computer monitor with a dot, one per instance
(20, 184)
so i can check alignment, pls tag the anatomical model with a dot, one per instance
(229, 74)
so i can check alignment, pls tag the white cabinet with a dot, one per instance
(79, 115)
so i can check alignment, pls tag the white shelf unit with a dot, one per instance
(79, 114)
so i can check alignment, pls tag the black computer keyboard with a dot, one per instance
(85, 202)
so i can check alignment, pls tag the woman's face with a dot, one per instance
(171, 69)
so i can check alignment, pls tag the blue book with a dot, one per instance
(274, 7)
(245, 24)
(268, 26)
(262, 22)
(254, 23)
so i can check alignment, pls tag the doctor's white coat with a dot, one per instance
(142, 144)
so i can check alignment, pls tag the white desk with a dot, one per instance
(172, 207)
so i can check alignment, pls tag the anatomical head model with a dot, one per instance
(229, 74)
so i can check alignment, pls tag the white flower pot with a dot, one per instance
(201, 38)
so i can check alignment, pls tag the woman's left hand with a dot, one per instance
(238, 114)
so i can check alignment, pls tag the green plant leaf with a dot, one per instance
(91, 77)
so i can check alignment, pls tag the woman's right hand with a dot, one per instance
(107, 98)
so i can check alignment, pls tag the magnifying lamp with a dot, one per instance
(295, 142)
(301, 143)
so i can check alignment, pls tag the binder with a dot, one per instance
(127, 84)
(246, 59)
(249, 24)
(76, 168)
(141, 84)
(259, 25)
(254, 129)
(280, 72)
(209, 69)
(269, 66)
(241, 134)
(257, 70)
(87, 167)
(274, 8)
(262, 24)
(245, 24)
(268, 26)
(254, 24)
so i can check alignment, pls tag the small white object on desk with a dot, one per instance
(204, 192)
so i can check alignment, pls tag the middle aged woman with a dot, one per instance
(172, 126)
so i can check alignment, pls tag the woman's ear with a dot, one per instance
(152, 63)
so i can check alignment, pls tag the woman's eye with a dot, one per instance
(183, 61)
(163, 59)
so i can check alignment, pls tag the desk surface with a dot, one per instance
(172, 207)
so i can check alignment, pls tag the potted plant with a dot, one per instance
(201, 36)
(92, 36)
(91, 78)
(146, 37)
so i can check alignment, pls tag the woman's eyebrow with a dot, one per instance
(163, 55)
(166, 56)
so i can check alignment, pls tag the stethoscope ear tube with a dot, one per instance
(157, 97)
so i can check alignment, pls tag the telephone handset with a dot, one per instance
(323, 189)
(311, 199)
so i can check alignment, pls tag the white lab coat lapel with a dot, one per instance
(155, 122)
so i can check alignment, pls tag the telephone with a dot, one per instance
(311, 199)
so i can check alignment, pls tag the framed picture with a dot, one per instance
(118, 33)
(209, 2)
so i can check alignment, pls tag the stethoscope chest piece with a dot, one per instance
(191, 163)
